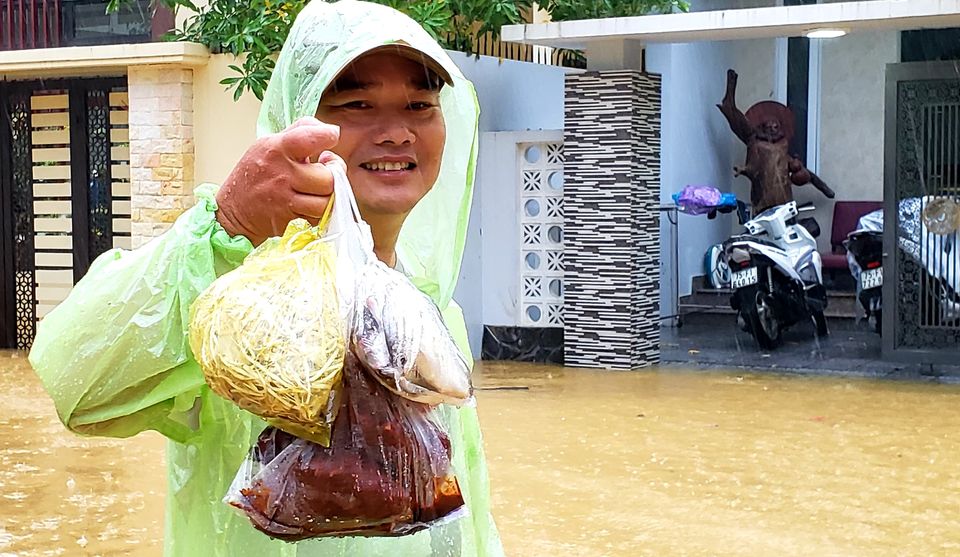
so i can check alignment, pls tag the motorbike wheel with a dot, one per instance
(761, 318)
(718, 272)
(821, 322)
(878, 321)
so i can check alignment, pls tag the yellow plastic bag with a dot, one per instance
(270, 335)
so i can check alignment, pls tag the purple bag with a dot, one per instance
(697, 200)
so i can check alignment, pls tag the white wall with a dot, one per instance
(697, 144)
(851, 120)
(500, 228)
(514, 96)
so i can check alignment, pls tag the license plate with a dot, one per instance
(746, 277)
(871, 278)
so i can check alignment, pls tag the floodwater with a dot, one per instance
(69, 495)
(583, 463)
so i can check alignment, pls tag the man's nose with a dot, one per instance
(396, 131)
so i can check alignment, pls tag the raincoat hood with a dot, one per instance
(324, 40)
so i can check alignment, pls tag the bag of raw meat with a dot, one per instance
(387, 471)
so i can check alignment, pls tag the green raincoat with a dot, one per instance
(115, 357)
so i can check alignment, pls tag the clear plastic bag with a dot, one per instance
(387, 471)
(399, 334)
(260, 349)
(271, 335)
(941, 215)
(347, 456)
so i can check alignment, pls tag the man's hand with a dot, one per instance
(281, 177)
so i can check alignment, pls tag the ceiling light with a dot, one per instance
(824, 33)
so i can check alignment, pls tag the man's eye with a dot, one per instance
(421, 105)
(354, 105)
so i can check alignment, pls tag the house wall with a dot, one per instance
(224, 128)
(851, 120)
(161, 148)
(697, 144)
(514, 97)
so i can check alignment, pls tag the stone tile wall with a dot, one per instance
(161, 148)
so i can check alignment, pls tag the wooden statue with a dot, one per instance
(767, 129)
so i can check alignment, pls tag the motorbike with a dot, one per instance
(865, 259)
(776, 274)
(937, 253)
(938, 256)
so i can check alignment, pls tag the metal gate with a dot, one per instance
(921, 297)
(64, 192)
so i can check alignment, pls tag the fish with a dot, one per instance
(401, 337)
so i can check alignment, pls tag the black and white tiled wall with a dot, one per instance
(612, 237)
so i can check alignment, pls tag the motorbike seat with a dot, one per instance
(812, 226)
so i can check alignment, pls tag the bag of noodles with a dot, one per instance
(256, 344)
(387, 471)
(271, 335)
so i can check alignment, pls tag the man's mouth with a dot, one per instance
(388, 166)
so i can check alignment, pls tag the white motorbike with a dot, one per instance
(776, 274)
(937, 254)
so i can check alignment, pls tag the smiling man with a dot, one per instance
(358, 85)
(392, 132)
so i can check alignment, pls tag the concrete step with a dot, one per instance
(840, 304)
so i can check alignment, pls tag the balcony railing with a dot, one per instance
(488, 46)
(51, 23)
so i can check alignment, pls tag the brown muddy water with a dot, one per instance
(582, 463)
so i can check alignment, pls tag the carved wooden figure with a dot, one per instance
(767, 129)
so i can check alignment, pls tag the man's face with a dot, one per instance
(391, 131)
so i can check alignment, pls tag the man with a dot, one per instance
(356, 84)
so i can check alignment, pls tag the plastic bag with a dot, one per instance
(400, 335)
(941, 215)
(272, 334)
(396, 330)
(256, 345)
(387, 471)
(697, 200)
